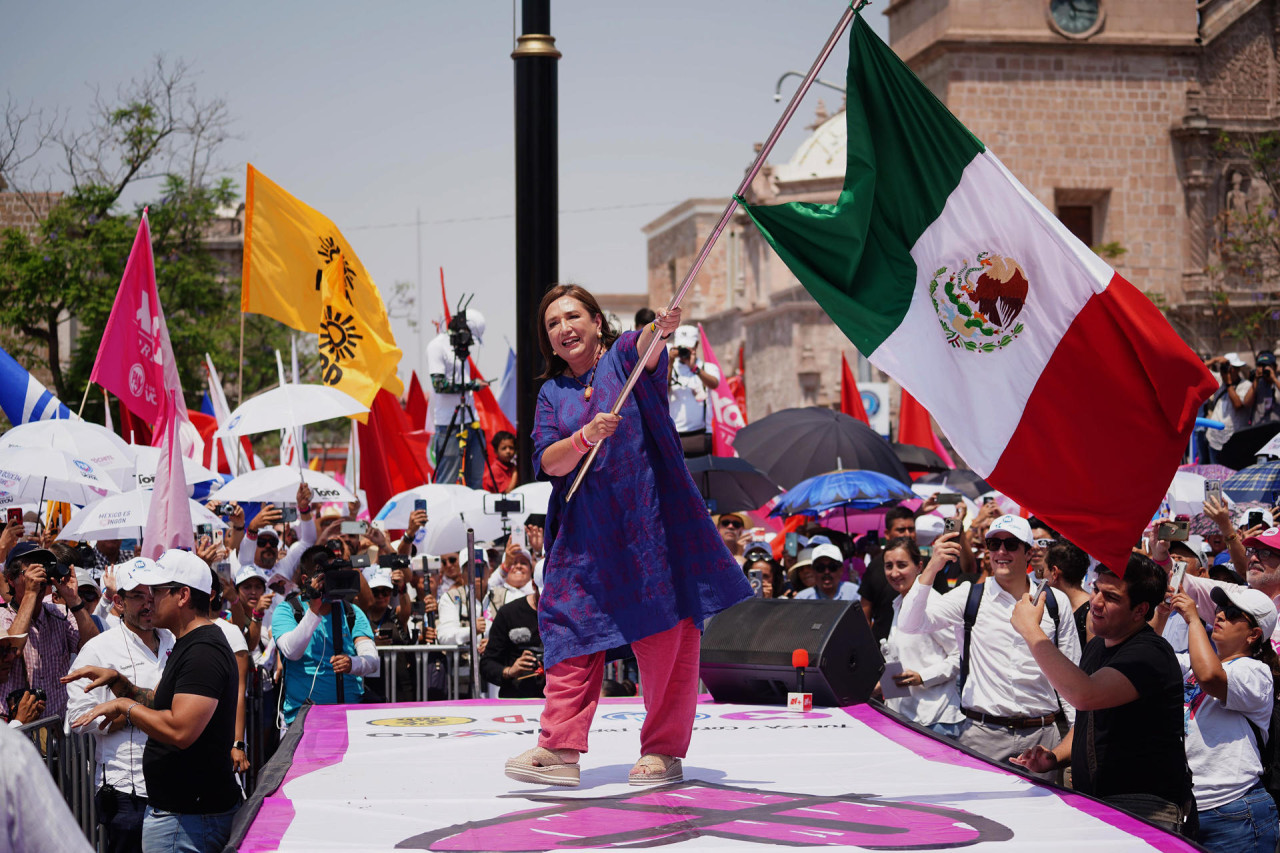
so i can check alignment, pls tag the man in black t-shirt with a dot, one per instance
(1126, 747)
(189, 718)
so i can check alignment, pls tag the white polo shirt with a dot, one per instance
(1004, 679)
(119, 762)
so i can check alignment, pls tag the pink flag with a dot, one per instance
(169, 519)
(135, 359)
(726, 417)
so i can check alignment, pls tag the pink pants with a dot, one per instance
(668, 678)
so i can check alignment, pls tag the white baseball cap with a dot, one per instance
(177, 566)
(1015, 525)
(127, 573)
(831, 552)
(686, 336)
(1234, 359)
(376, 575)
(248, 573)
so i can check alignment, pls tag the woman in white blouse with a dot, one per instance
(1229, 695)
(930, 662)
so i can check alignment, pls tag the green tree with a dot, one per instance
(70, 265)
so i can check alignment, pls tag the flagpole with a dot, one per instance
(656, 340)
(240, 369)
(84, 399)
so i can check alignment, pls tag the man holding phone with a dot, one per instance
(260, 548)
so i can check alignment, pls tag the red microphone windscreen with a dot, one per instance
(800, 658)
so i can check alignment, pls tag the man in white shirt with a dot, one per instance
(1010, 704)
(828, 564)
(137, 650)
(690, 382)
(260, 547)
(450, 379)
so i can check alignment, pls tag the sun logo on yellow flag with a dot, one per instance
(329, 250)
(338, 342)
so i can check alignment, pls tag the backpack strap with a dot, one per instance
(971, 605)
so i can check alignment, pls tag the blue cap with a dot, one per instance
(30, 552)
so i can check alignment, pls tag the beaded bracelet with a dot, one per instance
(588, 442)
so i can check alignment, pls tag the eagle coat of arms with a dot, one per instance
(978, 304)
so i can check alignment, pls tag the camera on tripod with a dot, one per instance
(339, 581)
(460, 337)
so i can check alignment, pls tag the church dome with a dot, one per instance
(822, 155)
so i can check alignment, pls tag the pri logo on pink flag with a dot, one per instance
(726, 417)
(135, 360)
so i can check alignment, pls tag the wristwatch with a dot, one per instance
(240, 745)
(77, 607)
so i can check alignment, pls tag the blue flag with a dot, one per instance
(506, 390)
(22, 396)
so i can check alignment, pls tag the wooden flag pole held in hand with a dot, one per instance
(656, 340)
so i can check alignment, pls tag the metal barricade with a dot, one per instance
(389, 657)
(71, 760)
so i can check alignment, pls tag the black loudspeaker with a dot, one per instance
(746, 652)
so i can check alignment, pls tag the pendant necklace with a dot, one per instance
(586, 393)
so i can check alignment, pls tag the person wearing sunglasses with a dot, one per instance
(1009, 704)
(1228, 693)
(730, 526)
(828, 567)
(1262, 556)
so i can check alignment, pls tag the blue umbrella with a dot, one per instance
(852, 489)
(1255, 483)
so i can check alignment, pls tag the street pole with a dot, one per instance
(537, 205)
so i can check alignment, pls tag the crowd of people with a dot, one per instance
(1152, 688)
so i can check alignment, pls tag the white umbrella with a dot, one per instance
(41, 474)
(537, 498)
(124, 517)
(279, 484)
(291, 406)
(144, 470)
(94, 444)
(451, 509)
(1186, 494)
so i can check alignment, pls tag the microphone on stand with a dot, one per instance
(800, 701)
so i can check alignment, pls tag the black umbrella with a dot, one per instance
(960, 480)
(1241, 450)
(919, 458)
(796, 444)
(732, 484)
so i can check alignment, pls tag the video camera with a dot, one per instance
(341, 581)
(393, 561)
(460, 338)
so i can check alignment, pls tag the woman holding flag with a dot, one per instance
(633, 559)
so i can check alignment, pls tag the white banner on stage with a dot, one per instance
(429, 777)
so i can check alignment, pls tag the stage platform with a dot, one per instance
(429, 777)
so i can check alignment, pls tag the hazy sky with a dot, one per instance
(372, 113)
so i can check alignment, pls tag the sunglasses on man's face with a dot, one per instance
(451, 560)
(1008, 543)
(826, 567)
(732, 523)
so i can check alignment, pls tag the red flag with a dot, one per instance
(417, 403)
(135, 359)
(207, 425)
(492, 419)
(850, 398)
(393, 457)
(169, 519)
(915, 428)
(133, 429)
(738, 384)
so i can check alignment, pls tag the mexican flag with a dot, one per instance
(1056, 380)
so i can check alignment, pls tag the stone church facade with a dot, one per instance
(1109, 111)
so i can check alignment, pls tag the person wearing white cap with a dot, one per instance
(1009, 703)
(138, 651)
(452, 625)
(687, 391)
(450, 381)
(1232, 404)
(1229, 690)
(828, 566)
(189, 717)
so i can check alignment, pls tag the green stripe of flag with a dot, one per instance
(906, 153)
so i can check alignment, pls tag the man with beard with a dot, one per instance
(138, 651)
(261, 545)
(1263, 554)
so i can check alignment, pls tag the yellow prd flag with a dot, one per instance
(355, 357)
(288, 250)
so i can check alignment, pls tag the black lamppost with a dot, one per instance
(537, 204)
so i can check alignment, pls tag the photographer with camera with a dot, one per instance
(304, 636)
(690, 381)
(389, 620)
(1266, 394)
(512, 658)
(1232, 404)
(54, 635)
(448, 365)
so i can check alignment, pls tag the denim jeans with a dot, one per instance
(170, 832)
(1245, 824)
(948, 729)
